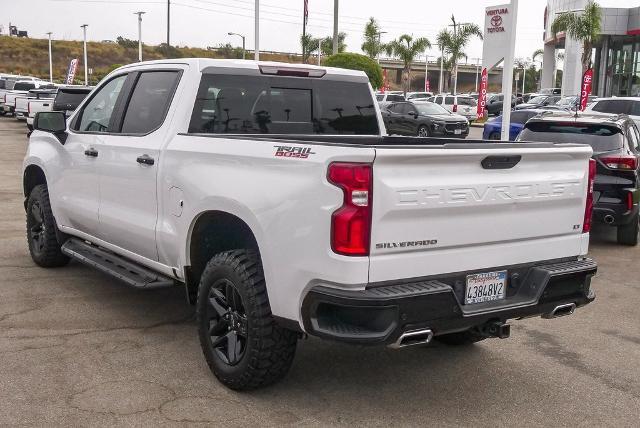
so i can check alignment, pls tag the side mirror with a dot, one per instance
(413, 113)
(53, 122)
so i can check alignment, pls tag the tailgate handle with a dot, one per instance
(500, 162)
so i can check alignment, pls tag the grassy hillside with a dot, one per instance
(30, 56)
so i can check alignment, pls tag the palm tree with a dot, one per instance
(310, 45)
(584, 27)
(406, 48)
(371, 45)
(453, 42)
(536, 54)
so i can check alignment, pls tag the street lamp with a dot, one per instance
(84, 44)
(50, 59)
(239, 35)
(256, 54)
(477, 71)
(139, 34)
(380, 33)
(426, 71)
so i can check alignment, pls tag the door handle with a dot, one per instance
(91, 152)
(145, 160)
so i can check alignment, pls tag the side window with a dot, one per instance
(96, 114)
(149, 101)
(449, 101)
(634, 137)
(635, 108)
(438, 100)
(395, 108)
(517, 117)
(431, 99)
(395, 97)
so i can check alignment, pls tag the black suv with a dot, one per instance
(615, 140)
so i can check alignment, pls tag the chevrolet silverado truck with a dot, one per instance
(272, 193)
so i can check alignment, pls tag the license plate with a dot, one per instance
(485, 287)
(457, 131)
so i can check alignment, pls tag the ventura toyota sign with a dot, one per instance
(495, 20)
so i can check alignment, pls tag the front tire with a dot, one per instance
(628, 234)
(41, 230)
(423, 131)
(244, 347)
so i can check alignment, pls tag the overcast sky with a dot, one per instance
(202, 23)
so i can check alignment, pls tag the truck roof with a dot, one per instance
(203, 63)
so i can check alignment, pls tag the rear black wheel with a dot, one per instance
(242, 343)
(463, 338)
(423, 131)
(41, 230)
(628, 234)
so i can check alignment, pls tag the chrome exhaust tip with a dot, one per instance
(609, 219)
(561, 311)
(412, 338)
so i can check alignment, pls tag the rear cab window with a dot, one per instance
(259, 104)
(601, 137)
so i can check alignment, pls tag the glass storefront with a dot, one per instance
(623, 67)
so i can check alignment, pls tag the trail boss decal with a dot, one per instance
(293, 152)
(407, 244)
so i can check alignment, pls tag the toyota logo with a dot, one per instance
(496, 20)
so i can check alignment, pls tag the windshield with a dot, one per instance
(380, 97)
(431, 108)
(601, 138)
(537, 100)
(567, 101)
(23, 86)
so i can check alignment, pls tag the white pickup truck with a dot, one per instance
(34, 101)
(273, 194)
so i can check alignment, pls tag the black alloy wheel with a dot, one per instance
(227, 322)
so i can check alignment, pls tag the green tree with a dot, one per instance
(372, 45)
(536, 54)
(310, 45)
(582, 26)
(354, 61)
(453, 43)
(127, 43)
(407, 49)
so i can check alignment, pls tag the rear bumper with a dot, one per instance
(380, 315)
(614, 211)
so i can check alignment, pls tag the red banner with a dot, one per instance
(385, 81)
(427, 86)
(587, 80)
(482, 95)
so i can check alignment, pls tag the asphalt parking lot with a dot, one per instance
(78, 348)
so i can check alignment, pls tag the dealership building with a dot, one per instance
(617, 52)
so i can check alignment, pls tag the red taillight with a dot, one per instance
(455, 108)
(588, 209)
(629, 201)
(351, 223)
(620, 162)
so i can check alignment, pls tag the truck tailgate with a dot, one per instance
(452, 209)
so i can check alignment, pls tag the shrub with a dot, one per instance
(354, 61)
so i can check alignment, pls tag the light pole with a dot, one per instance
(441, 83)
(426, 71)
(50, 59)
(84, 44)
(507, 72)
(477, 71)
(243, 43)
(380, 33)
(139, 34)
(256, 54)
(335, 27)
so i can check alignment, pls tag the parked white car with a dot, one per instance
(418, 95)
(463, 105)
(272, 193)
(389, 97)
(618, 105)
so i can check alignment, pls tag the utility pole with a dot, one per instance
(455, 35)
(50, 59)
(256, 54)
(139, 34)
(168, 25)
(335, 27)
(319, 50)
(84, 44)
(524, 76)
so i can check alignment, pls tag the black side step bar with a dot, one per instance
(112, 264)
